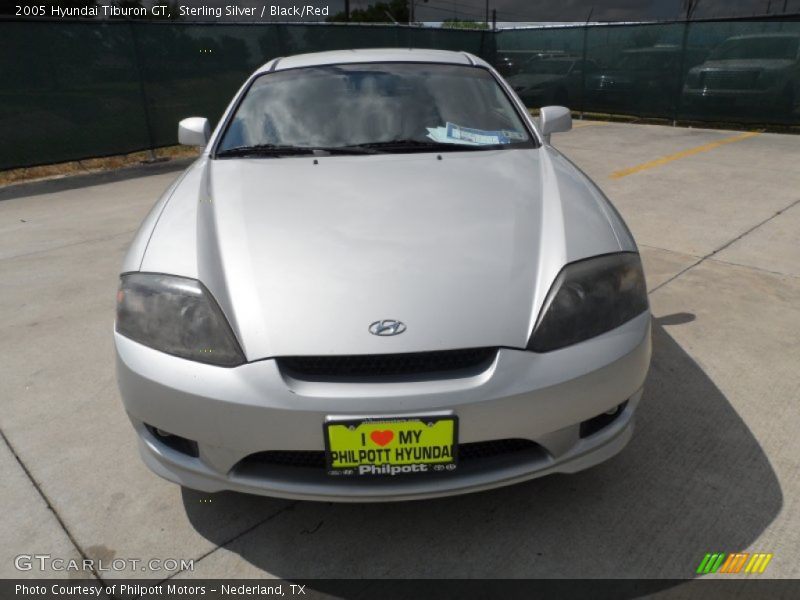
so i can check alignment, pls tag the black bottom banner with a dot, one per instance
(402, 589)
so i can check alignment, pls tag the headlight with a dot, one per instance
(177, 316)
(590, 297)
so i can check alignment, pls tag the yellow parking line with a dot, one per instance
(682, 154)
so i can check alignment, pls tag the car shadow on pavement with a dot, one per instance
(692, 480)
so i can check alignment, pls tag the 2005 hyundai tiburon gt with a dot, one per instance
(380, 282)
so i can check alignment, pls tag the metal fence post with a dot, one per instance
(489, 46)
(583, 70)
(679, 80)
(280, 34)
(137, 56)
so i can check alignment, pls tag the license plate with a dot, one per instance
(399, 446)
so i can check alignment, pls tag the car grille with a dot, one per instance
(729, 80)
(385, 365)
(312, 459)
(469, 453)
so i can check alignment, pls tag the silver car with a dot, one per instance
(379, 281)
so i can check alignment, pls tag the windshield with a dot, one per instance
(375, 106)
(765, 48)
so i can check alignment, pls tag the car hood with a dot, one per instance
(303, 254)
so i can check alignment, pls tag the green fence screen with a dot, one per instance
(84, 89)
(730, 72)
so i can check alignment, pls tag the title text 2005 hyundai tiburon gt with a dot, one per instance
(380, 282)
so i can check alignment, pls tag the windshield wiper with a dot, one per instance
(423, 146)
(280, 150)
(263, 150)
(401, 145)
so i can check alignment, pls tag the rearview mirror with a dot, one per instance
(554, 119)
(194, 131)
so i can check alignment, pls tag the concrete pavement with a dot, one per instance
(713, 465)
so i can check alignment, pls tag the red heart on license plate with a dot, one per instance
(382, 437)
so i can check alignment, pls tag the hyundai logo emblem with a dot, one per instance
(387, 327)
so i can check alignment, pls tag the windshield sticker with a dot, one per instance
(456, 134)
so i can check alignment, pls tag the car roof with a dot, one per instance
(368, 55)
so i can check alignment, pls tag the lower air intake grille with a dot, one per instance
(385, 365)
(491, 448)
(315, 459)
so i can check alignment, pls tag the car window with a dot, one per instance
(357, 104)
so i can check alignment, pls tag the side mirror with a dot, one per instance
(194, 131)
(554, 119)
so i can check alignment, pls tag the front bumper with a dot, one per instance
(235, 413)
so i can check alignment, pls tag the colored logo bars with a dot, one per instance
(720, 562)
